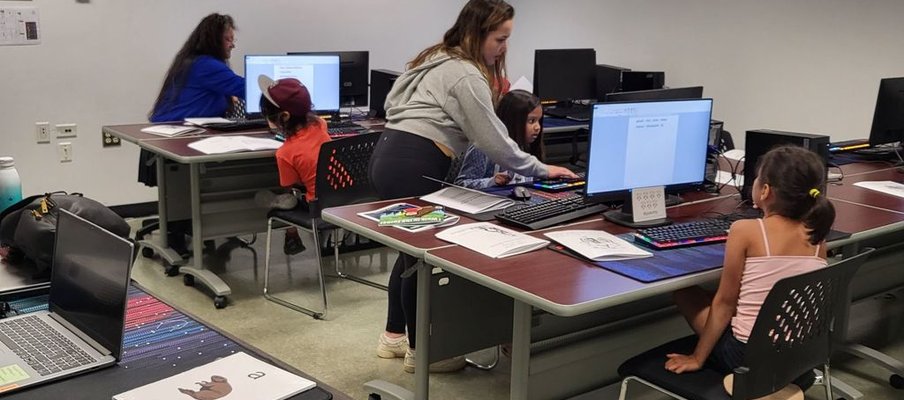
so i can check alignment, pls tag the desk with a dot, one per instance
(159, 342)
(218, 190)
(566, 286)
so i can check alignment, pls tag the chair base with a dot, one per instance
(294, 306)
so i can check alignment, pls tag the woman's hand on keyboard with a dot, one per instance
(554, 171)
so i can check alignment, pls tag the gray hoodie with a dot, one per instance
(448, 100)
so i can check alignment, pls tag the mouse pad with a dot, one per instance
(664, 264)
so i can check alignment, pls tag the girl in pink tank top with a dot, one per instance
(787, 241)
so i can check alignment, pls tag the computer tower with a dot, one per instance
(760, 141)
(381, 81)
(642, 80)
(608, 79)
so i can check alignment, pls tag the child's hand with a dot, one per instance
(559, 172)
(680, 363)
(501, 178)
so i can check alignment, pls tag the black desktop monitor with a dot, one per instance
(319, 73)
(692, 92)
(645, 144)
(888, 119)
(565, 74)
(632, 81)
(381, 81)
(353, 69)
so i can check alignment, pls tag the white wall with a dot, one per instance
(808, 65)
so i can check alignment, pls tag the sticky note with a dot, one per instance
(12, 373)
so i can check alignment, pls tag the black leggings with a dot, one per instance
(397, 165)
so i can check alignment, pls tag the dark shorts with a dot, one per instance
(728, 354)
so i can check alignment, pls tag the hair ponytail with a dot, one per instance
(819, 218)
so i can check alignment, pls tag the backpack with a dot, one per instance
(29, 226)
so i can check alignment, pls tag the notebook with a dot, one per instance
(83, 327)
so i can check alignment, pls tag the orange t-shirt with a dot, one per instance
(297, 157)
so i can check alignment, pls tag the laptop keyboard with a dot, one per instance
(42, 347)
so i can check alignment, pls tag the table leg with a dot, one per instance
(197, 270)
(422, 359)
(521, 322)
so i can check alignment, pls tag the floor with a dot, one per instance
(340, 349)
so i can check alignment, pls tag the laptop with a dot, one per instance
(83, 328)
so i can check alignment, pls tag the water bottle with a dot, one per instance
(10, 185)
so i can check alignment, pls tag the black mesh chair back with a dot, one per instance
(795, 328)
(342, 172)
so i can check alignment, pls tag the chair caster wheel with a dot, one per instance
(896, 381)
(219, 302)
(147, 252)
(188, 280)
(171, 270)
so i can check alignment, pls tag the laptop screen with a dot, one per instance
(90, 279)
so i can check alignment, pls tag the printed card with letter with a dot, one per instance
(236, 377)
(491, 240)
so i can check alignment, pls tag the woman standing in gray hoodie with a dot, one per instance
(441, 104)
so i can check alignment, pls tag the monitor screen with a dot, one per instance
(89, 280)
(320, 74)
(693, 92)
(353, 70)
(642, 80)
(565, 74)
(644, 144)
(888, 119)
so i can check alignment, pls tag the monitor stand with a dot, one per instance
(625, 216)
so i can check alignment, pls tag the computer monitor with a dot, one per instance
(888, 119)
(632, 81)
(381, 81)
(353, 70)
(645, 144)
(692, 92)
(565, 74)
(319, 73)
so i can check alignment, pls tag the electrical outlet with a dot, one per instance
(66, 130)
(42, 132)
(65, 152)
(110, 140)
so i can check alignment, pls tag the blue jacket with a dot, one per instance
(478, 172)
(209, 85)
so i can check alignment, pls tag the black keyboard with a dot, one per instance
(42, 347)
(238, 125)
(574, 113)
(684, 234)
(546, 214)
(343, 128)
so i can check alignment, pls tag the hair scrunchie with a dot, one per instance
(814, 193)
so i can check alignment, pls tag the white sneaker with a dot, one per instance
(389, 347)
(448, 365)
(268, 199)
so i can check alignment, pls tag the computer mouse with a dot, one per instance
(520, 193)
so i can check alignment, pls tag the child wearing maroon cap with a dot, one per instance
(286, 104)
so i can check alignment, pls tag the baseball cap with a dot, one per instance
(289, 94)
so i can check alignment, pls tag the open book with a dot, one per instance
(238, 376)
(232, 144)
(468, 200)
(491, 240)
(382, 216)
(598, 245)
(207, 121)
(171, 130)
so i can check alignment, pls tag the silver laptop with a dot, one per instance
(83, 329)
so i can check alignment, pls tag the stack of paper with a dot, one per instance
(171, 130)
(598, 245)
(491, 240)
(398, 215)
(468, 200)
(232, 144)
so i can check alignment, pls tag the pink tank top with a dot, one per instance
(760, 274)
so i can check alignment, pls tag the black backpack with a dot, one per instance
(29, 226)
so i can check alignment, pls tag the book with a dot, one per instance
(233, 144)
(207, 121)
(598, 245)
(239, 376)
(171, 130)
(491, 240)
(468, 200)
(396, 208)
(411, 216)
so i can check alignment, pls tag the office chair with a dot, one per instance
(342, 179)
(794, 332)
